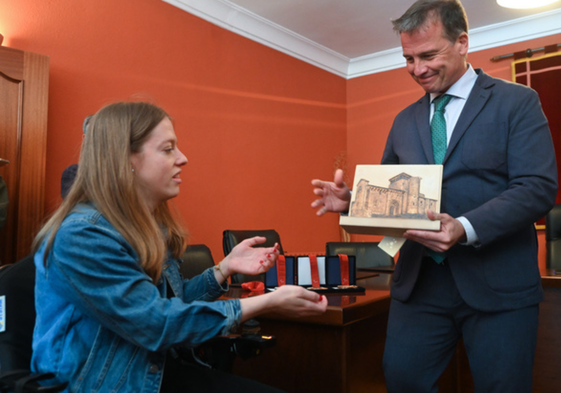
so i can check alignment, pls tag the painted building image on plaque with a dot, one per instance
(401, 198)
(389, 199)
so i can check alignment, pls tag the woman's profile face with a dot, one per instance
(157, 165)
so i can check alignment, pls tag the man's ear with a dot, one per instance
(463, 43)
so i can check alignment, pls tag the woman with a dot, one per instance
(111, 304)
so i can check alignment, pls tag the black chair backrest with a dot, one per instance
(231, 238)
(553, 238)
(196, 259)
(368, 254)
(17, 287)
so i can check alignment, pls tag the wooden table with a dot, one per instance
(548, 352)
(339, 351)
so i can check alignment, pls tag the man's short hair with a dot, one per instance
(450, 13)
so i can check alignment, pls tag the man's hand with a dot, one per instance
(451, 232)
(335, 196)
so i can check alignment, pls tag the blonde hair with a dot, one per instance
(105, 178)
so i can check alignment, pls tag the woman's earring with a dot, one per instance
(133, 169)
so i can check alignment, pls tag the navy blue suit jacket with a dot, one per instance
(500, 173)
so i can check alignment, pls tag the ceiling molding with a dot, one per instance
(247, 24)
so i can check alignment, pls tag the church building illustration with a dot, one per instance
(402, 199)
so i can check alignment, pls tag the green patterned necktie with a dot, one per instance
(438, 128)
(438, 132)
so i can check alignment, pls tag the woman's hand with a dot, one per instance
(293, 300)
(289, 300)
(245, 258)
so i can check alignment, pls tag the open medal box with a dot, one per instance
(324, 274)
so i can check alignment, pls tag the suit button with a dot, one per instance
(154, 369)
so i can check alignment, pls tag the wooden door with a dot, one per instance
(24, 82)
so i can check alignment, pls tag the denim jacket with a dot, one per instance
(102, 324)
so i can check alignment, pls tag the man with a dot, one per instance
(499, 177)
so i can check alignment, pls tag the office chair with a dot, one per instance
(17, 288)
(196, 259)
(220, 352)
(553, 238)
(231, 238)
(368, 255)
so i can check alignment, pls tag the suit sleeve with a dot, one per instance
(531, 171)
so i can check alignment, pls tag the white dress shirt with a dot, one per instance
(460, 92)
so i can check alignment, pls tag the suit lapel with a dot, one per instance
(422, 112)
(476, 101)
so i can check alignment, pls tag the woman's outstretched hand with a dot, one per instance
(293, 300)
(289, 300)
(245, 258)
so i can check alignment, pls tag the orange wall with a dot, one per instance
(375, 100)
(255, 124)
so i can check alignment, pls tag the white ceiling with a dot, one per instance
(351, 38)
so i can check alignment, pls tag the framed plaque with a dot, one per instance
(389, 199)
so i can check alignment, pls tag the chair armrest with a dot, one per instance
(24, 381)
(245, 345)
(220, 352)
